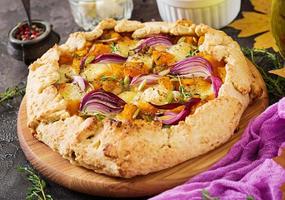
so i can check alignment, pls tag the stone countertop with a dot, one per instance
(13, 184)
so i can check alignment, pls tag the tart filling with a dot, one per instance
(158, 78)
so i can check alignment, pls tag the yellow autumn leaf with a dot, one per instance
(279, 72)
(262, 5)
(265, 41)
(252, 23)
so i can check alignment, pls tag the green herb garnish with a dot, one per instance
(99, 116)
(206, 196)
(266, 61)
(249, 197)
(11, 93)
(108, 78)
(114, 48)
(185, 95)
(192, 52)
(37, 190)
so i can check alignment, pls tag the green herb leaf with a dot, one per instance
(37, 190)
(108, 78)
(192, 52)
(11, 93)
(266, 61)
(249, 197)
(185, 95)
(206, 195)
(99, 116)
(114, 48)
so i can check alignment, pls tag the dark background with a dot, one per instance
(12, 184)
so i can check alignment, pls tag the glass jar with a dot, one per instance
(88, 13)
(278, 24)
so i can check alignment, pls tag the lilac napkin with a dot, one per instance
(248, 171)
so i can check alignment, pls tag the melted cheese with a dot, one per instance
(65, 73)
(70, 91)
(157, 95)
(180, 50)
(94, 71)
(144, 58)
(123, 47)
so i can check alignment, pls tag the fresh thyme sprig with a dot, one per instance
(193, 52)
(114, 48)
(185, 95)
(206, 196)
(37, 190)
(11, 93)
(265, 61)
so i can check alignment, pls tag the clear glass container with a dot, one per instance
(88, 13)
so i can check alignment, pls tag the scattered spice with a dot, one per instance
(24, 32)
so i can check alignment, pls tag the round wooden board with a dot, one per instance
(59, 170)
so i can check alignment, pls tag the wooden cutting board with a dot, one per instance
(59, 170)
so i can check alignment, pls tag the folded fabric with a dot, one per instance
(248, 170)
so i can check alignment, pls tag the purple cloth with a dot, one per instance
(248, 169)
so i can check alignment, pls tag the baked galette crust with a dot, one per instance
(127, 149)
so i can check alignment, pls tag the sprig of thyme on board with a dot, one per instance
(37, 190)
(206, 196)
(265, 61)
(11, 93)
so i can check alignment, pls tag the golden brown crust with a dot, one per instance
(139, 147)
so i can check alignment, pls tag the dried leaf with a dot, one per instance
(262, 5)
(258, 22)
(252, 23)
(265, 41)
(279, 72)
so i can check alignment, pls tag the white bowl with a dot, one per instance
(215, 13)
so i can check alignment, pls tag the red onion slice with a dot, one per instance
(109, 57)
(82, 83)
(150, 79)
(102, 102)
(183, 114)
(216, 84)
(167, 106)
(153, 41)
(195, 66)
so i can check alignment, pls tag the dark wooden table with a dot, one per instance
(14, 185)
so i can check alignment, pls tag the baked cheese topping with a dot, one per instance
(162, 78)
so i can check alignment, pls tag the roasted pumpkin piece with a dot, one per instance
(163, 58)
(188, 81)
(129, 112)
(81, 52)
(147, 108)
(76, 64)
(65, 59)
(133, 69)
(178, 109)
(96, 84)
(214, 62)
(73, 106)
(110, 35)
(188, 39)
(201, 40)
(166, 82)
(72, 94)
(98, 49)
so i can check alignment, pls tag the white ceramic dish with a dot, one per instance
(215, 13)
